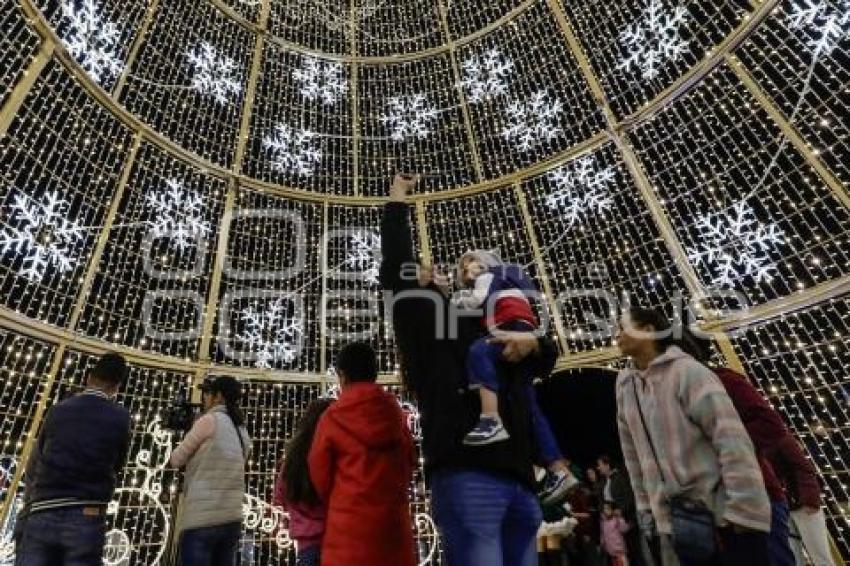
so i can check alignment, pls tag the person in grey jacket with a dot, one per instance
(213, 453)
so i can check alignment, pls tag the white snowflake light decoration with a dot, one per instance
(484, 78)
(271, 334)
(654, 39)
(365, 255)
(532, 122)
(293, 151)
(409, 117)
(735, 244)
(829, 23)
(321, 80)
(91, 40)
(581, 189)
(214, 74)
(178, 214)
(43, 235)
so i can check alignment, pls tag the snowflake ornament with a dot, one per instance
(734, 244)
(830, 24)
(485, 78)
(271, 334)
(177, 214)
(293, 151)
(44, 235)
(365, 255)
(654, 39)
(94, 42)
(214, 74)
(409, 117)
(532, 122)
(581, 190)
(321, 80)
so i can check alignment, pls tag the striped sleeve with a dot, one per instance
(709, 406)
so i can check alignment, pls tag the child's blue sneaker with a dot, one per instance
(556, 486)
(487, 431)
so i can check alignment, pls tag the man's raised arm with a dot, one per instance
(397, 238)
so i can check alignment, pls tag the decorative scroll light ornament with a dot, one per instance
(293, 151)
(409, 117)
(321, 80)
(582, 190)
(272, 521)
(92, 41)
(654, 39)
(178, 214)
(426, 534)
(7, 528)
(146, 499)
(735, 245)
(829, 23)
(43, 235)
(214, 74)
(365, 255)
(485, 77)
(411, 411)
(271, 334)
(532, 122)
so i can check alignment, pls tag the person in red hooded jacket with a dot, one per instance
(361, 463)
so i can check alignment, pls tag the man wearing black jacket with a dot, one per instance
(482, 496)
(71, 474)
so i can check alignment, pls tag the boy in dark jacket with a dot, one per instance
(82, 446)
(361, 464)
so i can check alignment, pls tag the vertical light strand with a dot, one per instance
(323, 325)
(251, 89)
(22, 87)
(665, 228)
(355, 101)
(422, 229)
(464, 106)
(141, 35)
(789, 131)
(560, 329)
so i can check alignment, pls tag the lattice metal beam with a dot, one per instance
(251, 89)
(24, 85)
(135, 47)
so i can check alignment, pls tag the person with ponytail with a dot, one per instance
(214, 453)
(294, 492)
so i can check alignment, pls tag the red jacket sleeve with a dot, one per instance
(321, 459)
(799, 473)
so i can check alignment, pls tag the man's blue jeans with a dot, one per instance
(61, 537)
(778, 543)
(210, 546)
(485, 520)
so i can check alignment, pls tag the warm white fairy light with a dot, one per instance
(654, 39)
(92, 40)
(214, 74)
(42, 234)
(409, 117)
(485, 76)
(533, 121)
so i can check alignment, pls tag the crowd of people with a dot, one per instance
(710, 474)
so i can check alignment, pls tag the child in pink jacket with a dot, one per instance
(613, 527)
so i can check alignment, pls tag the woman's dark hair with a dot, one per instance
(641, 317)
(296, 475)
(699, 348)
(231, 390)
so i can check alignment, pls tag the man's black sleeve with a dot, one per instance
(544, 361)
(396, 247)
(124, 448)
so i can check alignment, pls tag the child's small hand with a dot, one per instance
(403, 184)
(518, 345)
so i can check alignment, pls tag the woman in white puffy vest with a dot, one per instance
(214, 454)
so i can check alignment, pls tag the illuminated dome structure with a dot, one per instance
(198, 185)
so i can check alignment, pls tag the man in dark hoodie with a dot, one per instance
(482, 496)
(361, 464)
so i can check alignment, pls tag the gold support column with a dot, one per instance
(323, 307)
(422, 229)
(789, 131)
(153, 6)
(640, 179)
(560, 329)
(464, 104)
(24, 85)
(76, 312)
(251, 88)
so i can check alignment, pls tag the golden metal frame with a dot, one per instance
(138, 41)
(24, 85)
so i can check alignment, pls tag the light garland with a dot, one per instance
(654, 39)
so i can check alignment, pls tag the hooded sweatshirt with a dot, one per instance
(361, 464)
(703, 449)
